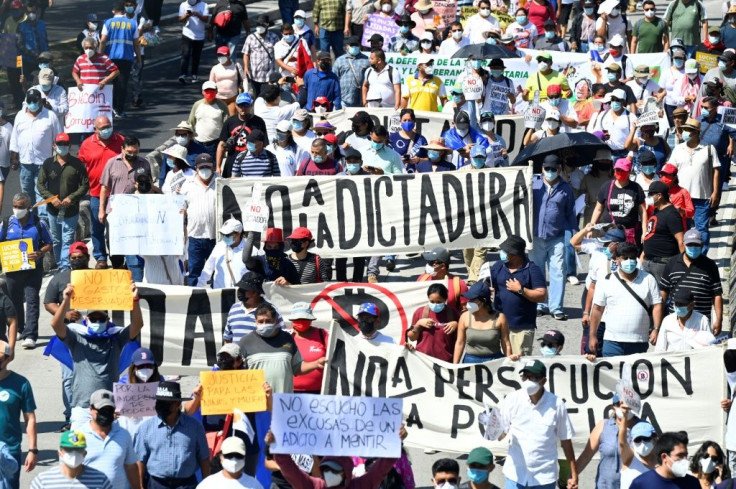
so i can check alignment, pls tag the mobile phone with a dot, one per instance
(290, 79)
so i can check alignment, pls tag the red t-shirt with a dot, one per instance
(312, 346)
(435, 342)
(95, 156)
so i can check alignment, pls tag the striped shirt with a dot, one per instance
(172, 452)
(54, 479)
(307, 269)
(94, 70)
(701, 278)
(111, 454)
(278, 356)
(201, 201)
(263, 165)
(241, 321)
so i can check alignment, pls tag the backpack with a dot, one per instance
(4, 232)
(222, 19)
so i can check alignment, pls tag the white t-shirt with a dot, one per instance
(304, 142)
(218, 481)
(615, 26)
(618, 128)
(673, 338)
(381, 85)
(450, 46)
(565, 108)
(281, 49)
(194, 26)
(288, 159)
(598, 265)
(496, 98)
(272, 115)
(5, 131)
(477, 25)
(695, 170)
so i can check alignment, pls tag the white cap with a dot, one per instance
(427, 36)
(424, 58)
(284, 126)
(553, 114)
(616, 40)
(619, 94)
(300, 13)
(691, 66)
(209, 85)
(177, 151)
(233, 444)
(232, 225)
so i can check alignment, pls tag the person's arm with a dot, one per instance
(460, 341)
(661, 343)
(634, 42)
(101, 47)
(77, 80)
(104, 192)
(57, 323)
(505, 341)
(577, 238)
(624, 448)
(32, 433)
(572, 483)
(114, 73)
(595, 320)
(307, 367)
(246, 65)
(41, 185)
(13, 332)
(292, 473)
(601, 29)
(591, 448)
(204, 467)
(136, 317)
(220, 154)
(718, 321)
(397, 96)
(643, 213)
(657, 319)
(133, 475)
(680, 243)
(81, 190)
(716, 187)
(141, 470)
(588, 304)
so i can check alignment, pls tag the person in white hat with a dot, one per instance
(426, 18)
(232, 476)
(176, 159)
(287, 152)
(426, 43)
(52, 93)
(611, 23)
(225, 266)
(550, 127)
(207, 117)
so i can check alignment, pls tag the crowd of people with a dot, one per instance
(651, 195)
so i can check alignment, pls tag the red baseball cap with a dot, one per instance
(223, 50)
(554, 90)
(78, 247)
(301, 233)
(330, 138)
(62, 137)
(274, 235)
(668, 169)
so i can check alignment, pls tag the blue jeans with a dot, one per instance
(199, 249)
(135, 264)
(287, 9)
(702, 220)
(15, 476)
(515, 485)
(334, 39)
(570, 262)
(99, 250)
(231, 42)
(62, 234)
(616, 348)
(28, 180)
(551, 252)
(66, 390)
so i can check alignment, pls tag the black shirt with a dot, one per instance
(630, 98)
(659, 236)
(235, 127)
(623, 204)
(7, 310)
(701, 278)
(239, 14)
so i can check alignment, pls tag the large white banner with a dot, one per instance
(146, 224)
(85, 105)
(405, 213)
(442, 401)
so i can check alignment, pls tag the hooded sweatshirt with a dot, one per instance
(300, 480)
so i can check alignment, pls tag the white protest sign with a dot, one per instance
(336, 425)
(728, 115)
(379, 24)
(534, 114)
(402, 213)
(135, 400)
(442, 401)
(255, 214)
(85, 105)
(146, 224)
(472, 86)
(648, 118)
(626, 392)
(493, 423)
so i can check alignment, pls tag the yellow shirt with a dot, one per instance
(552, 78)
(423, 94)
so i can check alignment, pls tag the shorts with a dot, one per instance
(565, 10)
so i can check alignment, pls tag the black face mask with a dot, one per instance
(273, 257)
(144, 187)
(163, 408)
(356, 128)
(78, 263)
(324, 66)
(130, 157)
(296, 246)
(366, 327)
(226, 364)
(105, 417)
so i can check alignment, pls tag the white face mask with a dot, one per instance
(620, 413)
(233, 465)
(649, 200)
(181, 140)
(320, 110)
(643, 449)
(488, 126)
(707, 465)
(473, 307)
(265, 329)
(72, 459)
(261, 30)
(386, 8)
(429, 270)
(530, 387)
(332, 479)
(89, 52)
(553, 125)
(97, 327)
(543, 66)
(457, 35)
(20, 213)
(144, 374)
(429, 70)
(445, 485)
(205, 173)
(222, 59)
(680, 468)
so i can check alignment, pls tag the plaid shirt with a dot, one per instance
(261, 60)
(400, 43)
(329, 14)
(351, 71)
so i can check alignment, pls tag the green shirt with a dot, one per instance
(16, 397)
(649, 35)
(685, 21)
(329, 14)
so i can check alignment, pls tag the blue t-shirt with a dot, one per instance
(16, 397)
(652, 480)
(521, 313)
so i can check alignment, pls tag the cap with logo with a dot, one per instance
(102, 398)
(244, 99)
(691, 67)
(203, 160)
(142, 356)
(683, 295)
(642, 429)
(478, 150)
(73, 439)
(223, 50)
(437, 254)
(553, 336)
(692, 236)
(169, 391)
(142, 174)
(613, 235)
(62, 137)
(368, 308)
(478, 290)
(535, 367)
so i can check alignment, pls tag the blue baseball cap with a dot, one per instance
(244, 98)
(368, 308)
(477, 150)
(614, 235)
(642, 428)
(142, 356)
(479, 290)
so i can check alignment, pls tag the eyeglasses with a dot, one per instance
(551, 345)
(643, 439)
(234, 456)
(550, 168)
(648, 10)
(436, 263)
(243, 106)
(527, 376)
(450, 480)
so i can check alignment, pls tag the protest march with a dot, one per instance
(388, 244)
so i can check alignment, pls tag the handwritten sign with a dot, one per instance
(706, 61)
(336, 425)
(14, 255)
(104, 290)
(255, 214)
(472, 87)
(728, 115)
(224, 391)
(147, 225)
(379, 24)
(467, 12)
(135, 400)
(447, 10)
(85, 106)
(648, 118)
(493, 423)
(626, 392)
(534, 114)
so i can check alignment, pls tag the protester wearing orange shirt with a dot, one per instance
(438, 268)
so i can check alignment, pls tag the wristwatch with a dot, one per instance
(521, 290)
(33, 451)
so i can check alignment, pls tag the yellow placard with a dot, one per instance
(467, 12)
(19, 61)
(14, 255)
(706, 61)
(104, 290)
(225, 390)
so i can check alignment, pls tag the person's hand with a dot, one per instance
(402, 432)
(321, 363)
(450, 327)
(30, 461)
(267, 389)
(585, 320)
(14, 165)
(653, 336)
(714, 199)
(604, 16)
(22, 79)
(80, 86)
(101, 85)
(572, 482)
(593, 345)
(56, 203)
(66, 202)
(134, 290)
(101, 216)
(316, 30)
(514, 356)
(269, 439)
(198, 391)
(528, 58)
(589, 357)
(513, 285)
(293, 70)
(35, 255)
(726, 404)
(299, 81)
(68, 292)
(346, 31)
(73, 315)
(729, 151)
(716, 326)
(574, 46)
(281, 281)
(410, 347)
(425, 323)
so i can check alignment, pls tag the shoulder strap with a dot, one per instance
(635, 296)
(425, 312)
(264, 47)
(322, 336)
(508, 81)
(671, 11)
(608, 201)
(300, 171)
(316, 264)
(623, 65)
(4, 232)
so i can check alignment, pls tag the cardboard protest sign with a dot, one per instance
(143, 224)
(379, 24)
(446, 9)
(226, 390)
(103, 290)
(85, 106)
(472, 86)
(534, 114)
(255, 213)
(728, 115)
(336, 425)
(706, 61)
(135, 400)
(626, 392)
(14, 255)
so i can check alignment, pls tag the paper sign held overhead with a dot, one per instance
(135, 400)
(147, 224)
(336, 425)
(626, 392)
(224, 391)
(104, 290)
(14, 255)
(256, 212)
(534, 114)
(85, 106)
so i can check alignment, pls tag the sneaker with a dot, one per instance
(28, 344)
(560, 316)
(573, 280)
(540, 313)
(65, 427)
(183, 79)
(193, 79)
(372, 278)
(138, 102)
(390, 265)
(101, 265)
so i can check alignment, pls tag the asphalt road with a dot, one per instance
(166, 103)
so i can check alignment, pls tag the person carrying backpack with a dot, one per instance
(228, 19)
(685, 19)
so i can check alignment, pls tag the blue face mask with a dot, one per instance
(497, 73)
(548, 351)
(521, 19)
(299, 22)
(408, 126)
(433, 155)
(251, 147)
(679, 63)
(353, 168)
(129, 10)
(616, 105)
(330, 149)
(169, 162)
(589, 12)
(606, 251)
(612, 76)
(46, 88)
(477, 475)
(681, 311)
(43, 66)
(297, 125)
(62, 150)
(290, 38)
(478, 162)
(549, 34)
(354, 50)
(704, 112)
(554, 102)
(600, 48)
(628, 266)
(686, 136)
(228, 240)
(491, 41)
(404, 29)
(693, 251)
(476, 64)
(318, 159)
(457, 99)
(106, 133)
(34, 106)
(721, 65)
(376, 146)
(648, 170)
(503, 256)
(436, 308)
(550, 175)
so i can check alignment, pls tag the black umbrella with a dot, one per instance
(575, 149)
(484, 51)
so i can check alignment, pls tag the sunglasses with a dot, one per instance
(643, 439)
(554, 97)
(619, 170)
(550, 168)
(648, 10)
(456, 30)
(549, 345)
(234, 456)
(449, 480)
(435, 263)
